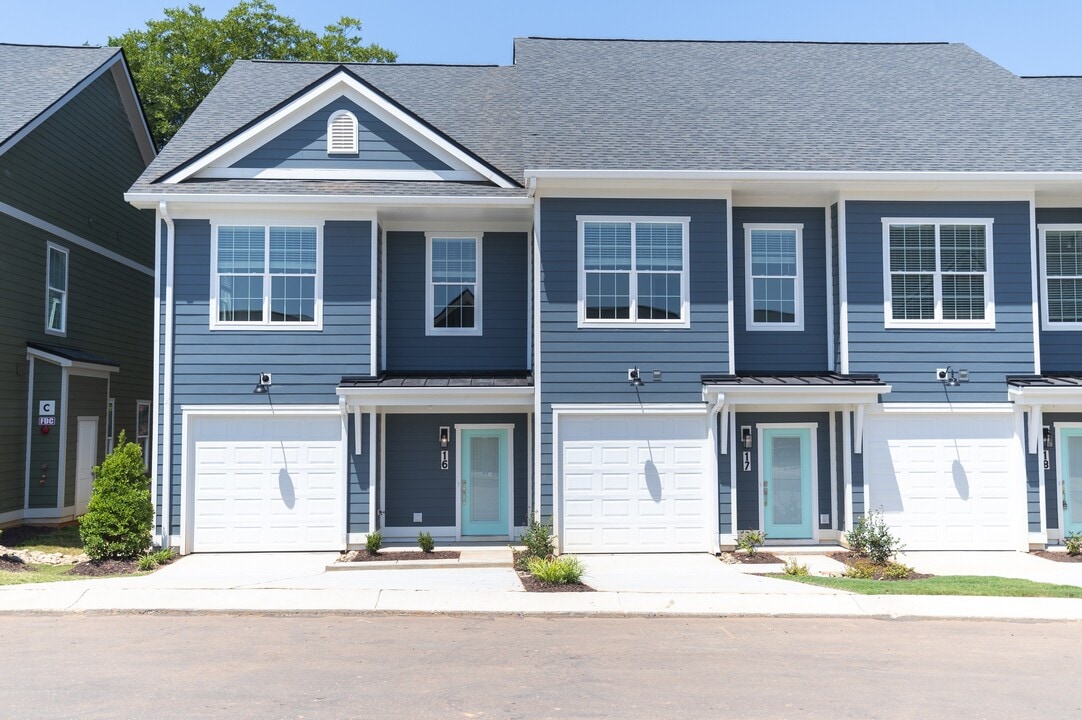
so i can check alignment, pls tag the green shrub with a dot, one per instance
(896, 571)
(860, 569)
(1073, 543)
(537, 538)
(563, 570)
(147, 562)
(792, 567)
(119, 516)
(151, 560)
(373, 542)
(872, 538)
(425, 542)
(750, 540)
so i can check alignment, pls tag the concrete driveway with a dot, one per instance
(682, 573)
(1003, 564)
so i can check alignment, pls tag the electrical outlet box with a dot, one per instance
(824, 518)
(941, 374)
(416, 517)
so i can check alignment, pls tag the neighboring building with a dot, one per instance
(654, 292)
(76, 301)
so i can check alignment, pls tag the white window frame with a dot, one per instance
(265, 324)
(798, 285)
(633, 284)
(986, 323)
(1042, 230)
(63, 329)
(110, 425)
(354, 148)
(144, 440)
(478, 315)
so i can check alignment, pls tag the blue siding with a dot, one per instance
(1059, 348)
(359, 481)
(305, 146)
(220, 367)
(502, 344)
(748, 499)
(414, 481)
(907, 359)
(725, 484)
(589, 365)
(760, 351)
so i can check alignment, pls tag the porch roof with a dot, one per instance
(820, 388)
(427, 390)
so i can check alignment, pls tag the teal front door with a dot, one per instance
(1070, 468)
(485, 480)
(787, 483)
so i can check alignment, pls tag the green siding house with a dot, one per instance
(76, 300)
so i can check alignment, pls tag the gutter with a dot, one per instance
(800, 175)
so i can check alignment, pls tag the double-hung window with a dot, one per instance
(775, 284)
(633, 272)
(938, 273)
(1061, 275)
(56, 290)
(267, 276)
(453, 287)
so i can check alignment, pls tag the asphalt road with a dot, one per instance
(243, 666)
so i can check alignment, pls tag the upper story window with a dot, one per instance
(266, 277)
(774, 281)
(938, 273)
(453, 287)
(342, 133)
(1061, 276)
(633, 272)
(56, 290)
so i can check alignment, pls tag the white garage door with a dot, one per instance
(636, 484)
(947, 482)
(267, 484)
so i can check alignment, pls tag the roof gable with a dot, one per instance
(288, 142)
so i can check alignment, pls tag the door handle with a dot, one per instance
(764, 490)
(463, 491)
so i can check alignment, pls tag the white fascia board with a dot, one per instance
(368, 397)
(230, 173)
(73, 364)
(630, 409)
(133, 109)
(340, 83)
(788, 395)
(800, 175)
(150, 200)
(1038, 396)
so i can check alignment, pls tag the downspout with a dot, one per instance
(155, 440)
(167, 389)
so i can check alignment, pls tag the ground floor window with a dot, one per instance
(110, 424)
(142, 428)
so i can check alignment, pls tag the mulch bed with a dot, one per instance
(10, 563)
(97, 568)
(532, 584)
(851, 558)
(759, 558)
(364, 556)
(1057, 556)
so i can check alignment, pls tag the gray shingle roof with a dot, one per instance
(33, 77)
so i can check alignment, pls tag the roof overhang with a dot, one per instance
(728, 394)
(106, 366)
(150, 200)
(1041, 395)
(425, 399)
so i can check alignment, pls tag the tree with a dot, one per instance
(176, 61)
(118, 518)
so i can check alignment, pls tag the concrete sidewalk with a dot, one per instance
(693, 585)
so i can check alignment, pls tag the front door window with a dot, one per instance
(787, 483)
(1071, 470)
(484, 482)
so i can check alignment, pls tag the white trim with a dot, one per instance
(938, 321)
(155, 449)
(630, 409)
(829, 254)
(29, 429)
(832, 440)
(382, 297)
(381, 512)
(110, 432)
(79, 419)
(535, 251)
(730, 298)
(1044, 396)
(234, 173)
(847, 471)
(478, 314)
(147, 200)
(509, 429)
(530, 450)
(265, 324)
(441, 397)
(633, 273)
(339, 84)
(843, 290)
(713, 491)
(1042, 303)
(1033, 280)
(78, 368)
(374, 326)
(372, 477)
(813, 461)
(351, 131)
(72, 238)
(732, 480)
(941, 408)
(796, 175)
(1061, 486)
(808, 395)
(750, 323)
(62, 461)
(49, 248)
(134, 110)
(167, 380)
(445, 533)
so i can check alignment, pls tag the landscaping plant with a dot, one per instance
(872, 538)
(750, 541)
(118, 519)
(563, 570)
(537, 538)
(1073, 542)
(373, 542)
(792, 567)
(425, 542)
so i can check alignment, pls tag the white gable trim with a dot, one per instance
(229, 173)
(339, 84)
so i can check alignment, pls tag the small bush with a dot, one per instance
(871, 537)
(896, 571)
(147, 562)
(750, 540)
(792, 567)
(1073, 542)
(425, 542)
(860, 570)
(537, 537)
(118, 520)
(373, 542)
(563, 570)
(151, 560)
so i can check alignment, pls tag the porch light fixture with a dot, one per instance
(633, 378)
(1047, 433)
(445, 436)
(263, 385)
(951, 377)
(746, 437)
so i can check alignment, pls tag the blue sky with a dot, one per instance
(1036, 37)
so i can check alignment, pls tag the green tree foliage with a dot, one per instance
(118, 519)
(178, 59)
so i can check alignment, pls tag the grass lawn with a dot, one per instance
(39, 574)
(64, 540)
(944, 585)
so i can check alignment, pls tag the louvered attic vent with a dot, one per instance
(342, 133)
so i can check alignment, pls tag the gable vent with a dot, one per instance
(342, 133)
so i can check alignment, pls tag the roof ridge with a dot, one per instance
(352, 63)
(732, 42)
(65, 47)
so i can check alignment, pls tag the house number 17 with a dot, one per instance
(747, 461)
